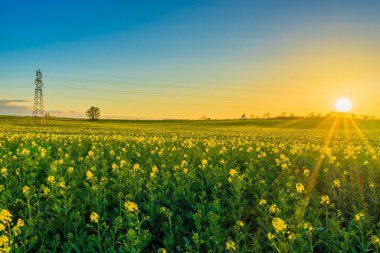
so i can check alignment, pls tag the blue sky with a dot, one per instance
(185, 59)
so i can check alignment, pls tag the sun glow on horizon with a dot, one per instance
(343, 105)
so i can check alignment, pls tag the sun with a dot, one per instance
(343, 105)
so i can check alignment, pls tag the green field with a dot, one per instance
(298, 185)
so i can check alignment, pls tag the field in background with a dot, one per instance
(221, 186)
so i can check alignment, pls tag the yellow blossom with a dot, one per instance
(306, 172)
(25, 190)
(359, 216)
(232, 172)
(278, 224)
(4, 172)
(154, 171)
(270, 236)
(274, 209)
(375, 240)
(4, 244)
(230, 245)
(89, 175)
(43, 152)
(45, 191)
(131, 207)
(204, 162)
(240, 223)
(262, 202)
(136, 167)
(300, 188)
(51, 179)
(325, 200)
(94, 217)
(90, 153)
(308, 226)
(62, 184)
(5, 216)
(70, 170)
(20, 223)
(337, 183)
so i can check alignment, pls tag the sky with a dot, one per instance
(188, 59)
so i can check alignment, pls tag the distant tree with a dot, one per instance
(205, 118)
(243, 116)
(283, 115)
(266, 115)
(93, 113)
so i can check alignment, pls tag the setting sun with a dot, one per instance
(343, 105)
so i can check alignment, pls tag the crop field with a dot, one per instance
(212, 186)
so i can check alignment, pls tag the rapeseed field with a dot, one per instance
(143, 187)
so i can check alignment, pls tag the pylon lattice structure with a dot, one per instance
(38, 108)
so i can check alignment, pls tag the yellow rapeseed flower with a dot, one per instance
(25, 190)
(262, 202)
(43, 152)
(375, 240)
(45, 191)
(325, 200)
(51, 179)
(204, 162)
(278, 224)
(230, 245)
(306, 172)
(337, 183)
(20, 223)
(5, 216)
(240, 223)
(232, 172)
(270, 236)
(131, 207)
(154, 171)
(308, 226)
(291, 236)
(274, 209)
(136, 167)
(359, 216)
(4, 172)
(300, 188)
(62, 184)
(4, 244)
(94, 217)
(89, 175)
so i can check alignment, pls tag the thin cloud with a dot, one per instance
(10, 107)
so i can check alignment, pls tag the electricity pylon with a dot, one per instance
(38, 108)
